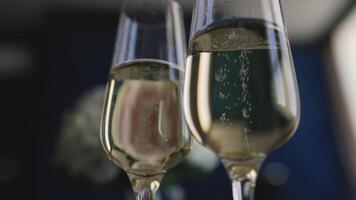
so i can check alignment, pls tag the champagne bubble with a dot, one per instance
(222, 96)
(223, 117)
(220, 75)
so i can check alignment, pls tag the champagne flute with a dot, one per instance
(143, 130)
(241, 97)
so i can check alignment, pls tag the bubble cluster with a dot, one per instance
(245, 98)
(223, 96)
(228, 81)
(221, 75)
(225, 119)
(245, 113)
(244, 78)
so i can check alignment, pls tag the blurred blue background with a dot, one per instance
(65, 51)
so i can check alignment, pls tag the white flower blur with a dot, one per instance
(79, 148)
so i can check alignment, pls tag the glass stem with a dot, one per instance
(243, 189)
(145, 187)
(243, 174)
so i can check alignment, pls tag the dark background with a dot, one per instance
(69, 51)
